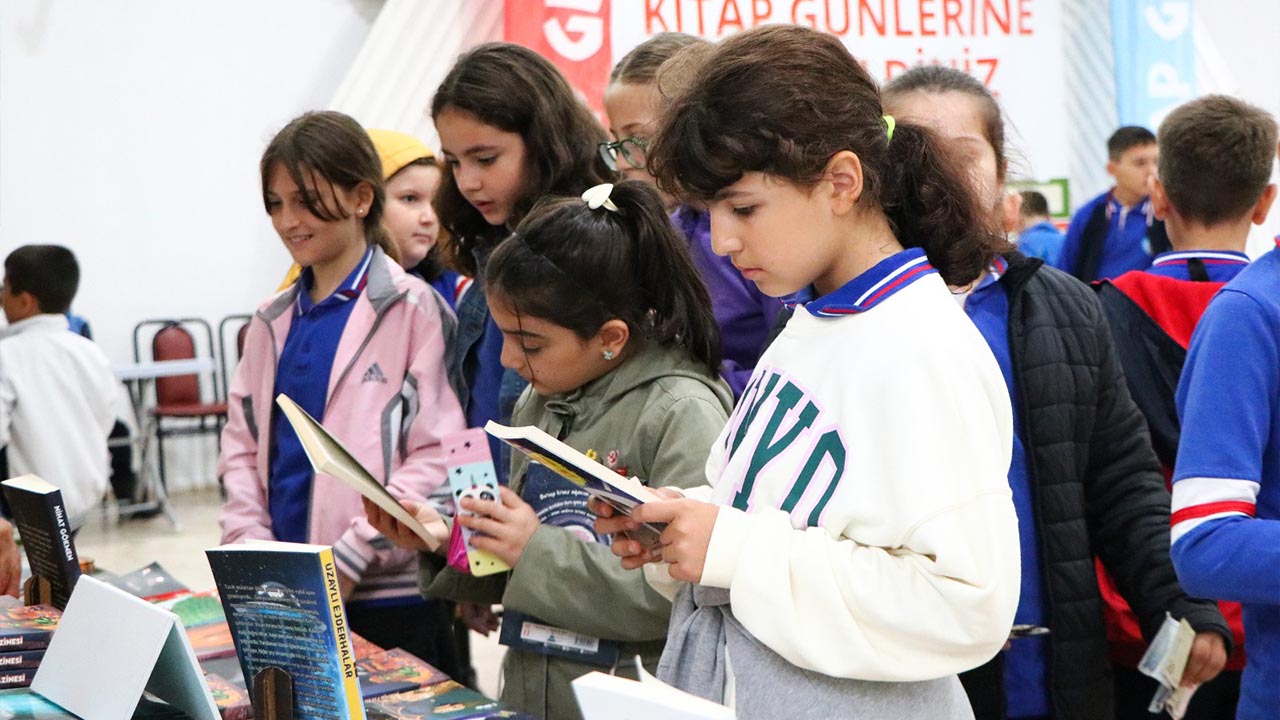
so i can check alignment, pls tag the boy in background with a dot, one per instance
(1116, 231)
(1037, 235)
(56, 387)
(1212, 184)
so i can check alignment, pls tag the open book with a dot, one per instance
(329, 457)
(621, 493)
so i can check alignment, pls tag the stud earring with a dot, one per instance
(607, 354)
(360, 212)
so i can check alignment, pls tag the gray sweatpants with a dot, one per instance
(705, 637)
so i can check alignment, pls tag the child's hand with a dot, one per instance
(480, 618)
(401, 535)
(506, 524)
(610, 522)
(684, 542)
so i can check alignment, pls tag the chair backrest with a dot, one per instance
(174, 342)
(242, 331)
(177, 339)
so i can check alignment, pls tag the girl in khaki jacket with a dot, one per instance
(603, 312)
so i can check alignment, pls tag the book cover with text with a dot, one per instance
(41, 518)
(284, 608)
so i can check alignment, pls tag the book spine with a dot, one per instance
(21, 659)
(24, 640)
(341, 635)
(16, 678)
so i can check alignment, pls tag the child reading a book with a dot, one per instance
(603, 312)
(857, 545)
(633, 102)
(511, 131)
(359, 345)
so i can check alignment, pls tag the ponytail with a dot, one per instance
(580, 267)
(929, 205)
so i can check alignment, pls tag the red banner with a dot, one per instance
(572, 34)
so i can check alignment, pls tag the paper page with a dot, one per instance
(329, 457)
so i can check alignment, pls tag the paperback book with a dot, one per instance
(329, 457)
(621, 493)
(285, 610)
(27, 627)
(42, 522)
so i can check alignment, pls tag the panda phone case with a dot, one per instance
(471, 474)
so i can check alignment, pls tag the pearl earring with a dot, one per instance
(608, 354)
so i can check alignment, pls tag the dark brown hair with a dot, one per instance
(579, 268)
(1129, 136)
(49, 273)
(1034, 204)
(640, 66)
(782, 100)
(1215, 157)
(516, 90)
(936, 79)
(337, 148)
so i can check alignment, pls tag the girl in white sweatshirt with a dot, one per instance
(856, 546)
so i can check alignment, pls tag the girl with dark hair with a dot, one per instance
(856, 546)
(511, 131)
(633, 103)
(358, 344)
(603, 313)
(1084, 477)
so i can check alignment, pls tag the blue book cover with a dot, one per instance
(284, 609)
(563, 504)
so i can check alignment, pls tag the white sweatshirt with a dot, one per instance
(867, 528)
(56, 409)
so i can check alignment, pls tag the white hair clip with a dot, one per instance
(598, 197)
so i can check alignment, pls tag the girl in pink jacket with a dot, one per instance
(357, 343)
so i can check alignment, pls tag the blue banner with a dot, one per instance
(1155, 58)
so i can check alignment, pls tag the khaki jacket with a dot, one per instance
(656, 415)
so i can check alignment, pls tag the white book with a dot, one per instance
(329, 457)
(609, 697)
(111, 646)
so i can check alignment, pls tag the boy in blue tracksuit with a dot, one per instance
(1226, 481)
(1116, 231)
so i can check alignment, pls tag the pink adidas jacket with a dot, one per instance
(390, 420)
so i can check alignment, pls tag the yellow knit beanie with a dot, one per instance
(397, 150)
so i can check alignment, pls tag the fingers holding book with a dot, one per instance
(400, 534)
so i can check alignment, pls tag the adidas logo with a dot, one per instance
(374, 374)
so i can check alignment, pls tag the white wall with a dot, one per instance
(1236, 54)
(130, 131)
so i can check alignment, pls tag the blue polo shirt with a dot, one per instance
(1126, 246)
(303, 372)
(1042, 240)
(1026, 674)
(1220, 265)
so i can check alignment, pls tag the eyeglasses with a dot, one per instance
(632, 148)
